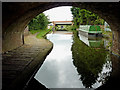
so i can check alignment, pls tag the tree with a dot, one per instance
(85, 17)
(40, 22)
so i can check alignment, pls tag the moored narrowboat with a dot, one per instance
(90, 31)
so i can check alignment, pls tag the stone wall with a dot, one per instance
(16, 16)
(116, 42)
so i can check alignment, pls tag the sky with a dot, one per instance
(59, 13)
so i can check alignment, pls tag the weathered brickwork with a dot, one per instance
(116, 42)
(16, 16)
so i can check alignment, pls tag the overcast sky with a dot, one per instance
(59, 13)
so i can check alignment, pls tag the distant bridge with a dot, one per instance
(62, 23)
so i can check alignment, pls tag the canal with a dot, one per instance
(75, 62)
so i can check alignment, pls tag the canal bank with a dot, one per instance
(20, 65)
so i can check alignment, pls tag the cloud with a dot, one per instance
(59, 13)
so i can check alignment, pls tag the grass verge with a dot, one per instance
(41, 33)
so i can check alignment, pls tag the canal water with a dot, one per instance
(74, 62)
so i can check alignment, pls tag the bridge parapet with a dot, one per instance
(62, 23)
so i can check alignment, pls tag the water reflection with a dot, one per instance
(58, 70)
(114, 79)
(94, 42)
(73, 64)
(92, 64)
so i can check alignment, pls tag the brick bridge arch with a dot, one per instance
(16, 16)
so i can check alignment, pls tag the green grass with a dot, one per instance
(41, 33)
(34, 31)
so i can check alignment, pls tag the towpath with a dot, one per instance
(19, 65)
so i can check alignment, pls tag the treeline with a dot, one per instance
(85, 17)
(40, 22)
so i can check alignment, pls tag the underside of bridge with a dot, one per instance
(16, 16)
